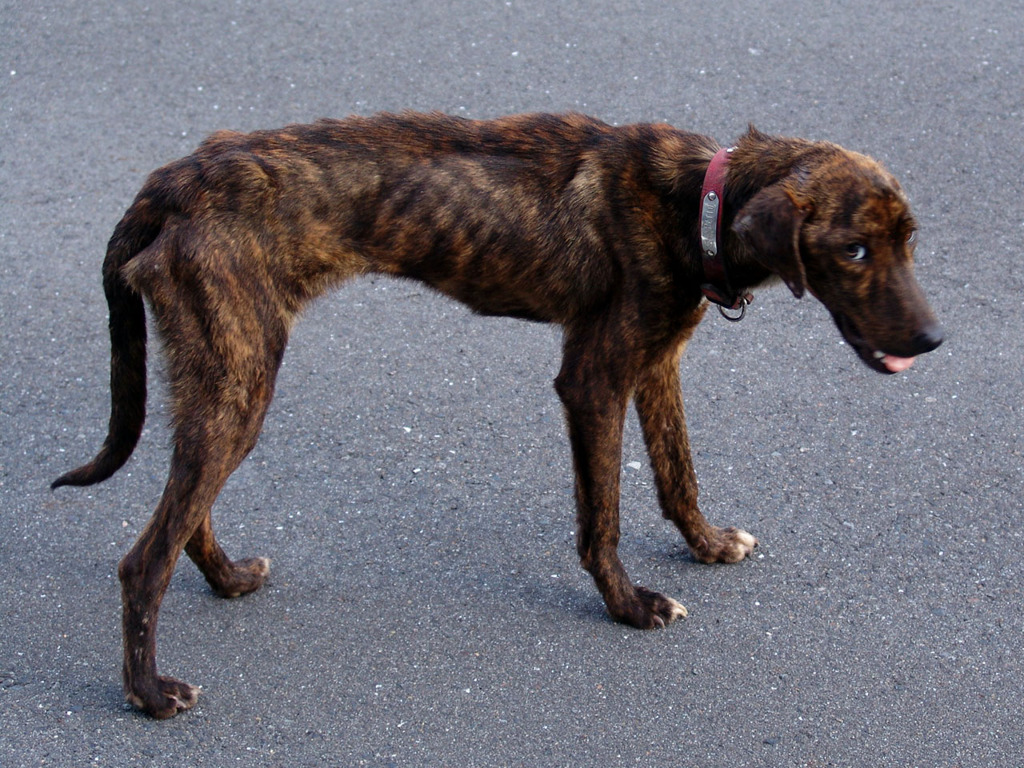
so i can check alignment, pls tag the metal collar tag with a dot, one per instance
(710, 215)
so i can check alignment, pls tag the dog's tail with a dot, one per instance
(138, 229)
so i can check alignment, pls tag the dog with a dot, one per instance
(622, 235)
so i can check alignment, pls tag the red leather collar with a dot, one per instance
(716, 285)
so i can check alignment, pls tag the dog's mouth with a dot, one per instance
(876, 359)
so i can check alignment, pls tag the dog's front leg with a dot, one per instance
(659, 403)
(595, 396)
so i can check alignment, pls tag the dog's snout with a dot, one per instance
(928, 338)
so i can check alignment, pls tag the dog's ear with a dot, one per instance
(770, 225)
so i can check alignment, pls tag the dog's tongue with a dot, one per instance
(897, 364)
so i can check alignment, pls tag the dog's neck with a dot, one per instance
(757, 162)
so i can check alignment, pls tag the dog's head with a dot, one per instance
(839, 225)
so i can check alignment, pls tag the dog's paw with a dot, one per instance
(724, 545)
(244, 577)
(165, 698)
(649, 610)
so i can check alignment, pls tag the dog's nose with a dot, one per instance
(928, 338)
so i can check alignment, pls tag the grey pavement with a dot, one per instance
(413, 486)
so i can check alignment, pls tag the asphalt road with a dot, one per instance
(412, 486)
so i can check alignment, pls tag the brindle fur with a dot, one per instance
(560, 219)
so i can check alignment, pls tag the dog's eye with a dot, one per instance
(912, 238)
(856, 252)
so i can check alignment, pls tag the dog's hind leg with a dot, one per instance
(659, 404)
(223, 358)
(208, 447)
(226, 578)
(229, 578)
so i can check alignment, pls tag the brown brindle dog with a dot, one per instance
(559, 219)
